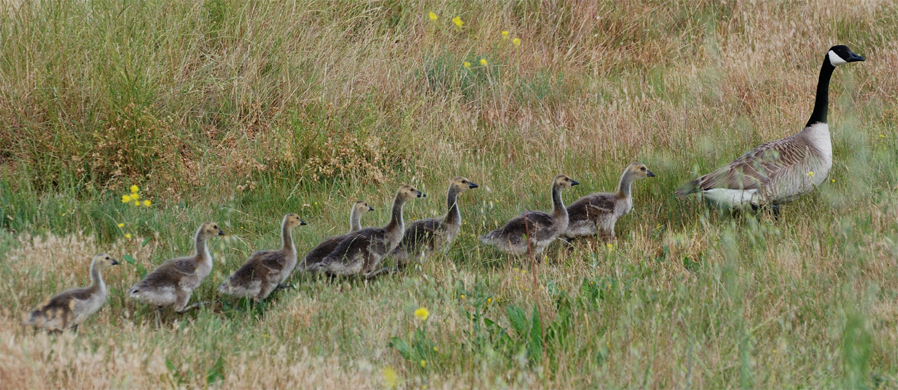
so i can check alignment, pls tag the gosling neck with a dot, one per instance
(626, 182)
(202, 250)
(396, 222)
(821, 104)
(96, 277)
(558, 208)
(454, 215)
(287, 237)
(355, 219)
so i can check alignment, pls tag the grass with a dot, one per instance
(241, 112)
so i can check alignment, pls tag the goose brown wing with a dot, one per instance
(422, 231)
(62, 299)
(370, 239)
(755, 169)
(251, 269)
(170, 272)
(535, 223)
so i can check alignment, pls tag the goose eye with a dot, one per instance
(215, 227)
(642, 169)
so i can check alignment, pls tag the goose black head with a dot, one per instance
(841, 54)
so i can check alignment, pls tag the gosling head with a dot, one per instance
(361, 207)
(563, 182)
(292, 220)
(407, 193)
(103, 261)
(639, 170)
(841, 54)
(462, 184)
(209, 230)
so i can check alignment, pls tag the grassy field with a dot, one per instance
(240, 112)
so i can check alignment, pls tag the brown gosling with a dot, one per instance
(362, 251)
(317, 254)
(597, 213)
(172, 283)
(426, 236)
(70, 308)
(266, 270)
(540, 228)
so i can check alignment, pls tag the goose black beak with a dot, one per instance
(220, 232)
(575, 183)
(114, 262)
(649, 174)
(473, 185)
(854, 57)
(302, 223)
(370, 208)
(421, 194)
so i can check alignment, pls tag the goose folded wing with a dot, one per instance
(423, 231)
(533, 222)
(591, 206)
(755, 169)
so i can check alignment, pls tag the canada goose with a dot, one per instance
(71, 307)
(172, 283)
(541, 228)
(265, 270)
(433, 234)
(317, 254)
(362, 251)
(597, 213)
(781, 170)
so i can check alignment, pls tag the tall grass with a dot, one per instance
(240, 112)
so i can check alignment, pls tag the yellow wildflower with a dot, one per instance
(422, 314)
(432, 16)
(504, 35)
(834, 180)
(121, 225)
(466, 64)
(135, 196)
(811, 174)
(483, 62)
(390, 377)
(457, 21)
(147, 203)
(136, 203)
(489, 300)
(423, 363)
(435, 349)
(516, 41)
(127, 236)
(881, 136)
(134, 189)
(126, 199)
(610, 246)
(463, 296)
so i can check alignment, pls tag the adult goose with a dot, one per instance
(782, 170)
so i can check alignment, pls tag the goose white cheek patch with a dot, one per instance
(835, 59)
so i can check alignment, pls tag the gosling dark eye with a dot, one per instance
(642, 169)
(215, 227)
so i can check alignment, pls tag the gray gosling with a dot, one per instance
(70, 308)
(264, 271)
(426, 236)
(317, 254)
(782, 170)
(597, 213)
(540, 228)
(362, 251)
(172, 283)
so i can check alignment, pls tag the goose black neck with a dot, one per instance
(822, 103)
(454, 215)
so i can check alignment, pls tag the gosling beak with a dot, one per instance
(473, 185)
(574, 183)
(301, 222)
(649, 174)
(854, 57)
(421, 194)
(220, 232)
(114, 262)
(370, 208)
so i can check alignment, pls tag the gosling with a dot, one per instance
(265, 271)
(597, 213)
(536, 227)
(317, 254)
(70, 308)
(426, 236)
(172, 283)
(362, 252)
